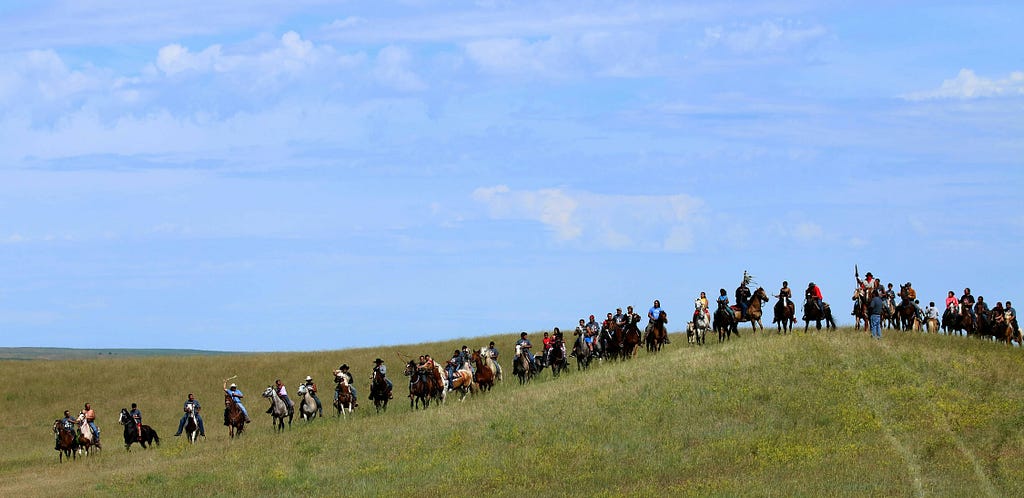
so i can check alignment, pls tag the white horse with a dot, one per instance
(278, 408)
(697, 330)
(307, 405)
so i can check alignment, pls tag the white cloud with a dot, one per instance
(602, 53)
(769, 36)
(968, 85)
(173, 59)
(807, 232)
(646, 222)
(392, 68)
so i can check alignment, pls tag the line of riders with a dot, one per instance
(967, 314)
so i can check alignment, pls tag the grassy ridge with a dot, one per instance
(76, 353)
(827, 413)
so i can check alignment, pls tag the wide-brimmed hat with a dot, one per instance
(233, 385)
(378, 360)
(309, 378)
(343, 366)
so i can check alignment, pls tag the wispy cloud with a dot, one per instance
(611, 221)
(769, 36)
(968, 85)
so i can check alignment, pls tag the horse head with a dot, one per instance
(301, 390)
(124, 418)
(269, 392)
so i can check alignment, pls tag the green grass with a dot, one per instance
(830, 413)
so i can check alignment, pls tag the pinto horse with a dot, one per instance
(484, 370)
(344, 403)
(86, 438)
(133, 434)
(191, 423)
(657, 333)
(67, 441)
(233, 417)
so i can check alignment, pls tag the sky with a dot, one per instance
(262, 175)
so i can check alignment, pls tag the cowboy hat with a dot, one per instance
(308, 378)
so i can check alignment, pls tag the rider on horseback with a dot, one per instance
(236, 396)
(525, 347)
(90, 418)
(69, 423)
(908, 296)
(137, 417)
(195, 410)
(343, 370)
(813, 296)
(743, 297)
(283, 393)
(723, 301)
(378, 366)
(311, 389)
(652, 316)
(492, 351)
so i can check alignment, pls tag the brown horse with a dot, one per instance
(631, 339)
(67, 441)
(233, 417)
(753, 310)
(657, 333)
(484, 372)
(785, 315)
(419, 386)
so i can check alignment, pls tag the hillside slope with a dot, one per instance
(826, 413)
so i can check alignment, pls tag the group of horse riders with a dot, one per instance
(596, 335)
(74, 425)
(954, 307)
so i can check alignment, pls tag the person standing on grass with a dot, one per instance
(875, 308)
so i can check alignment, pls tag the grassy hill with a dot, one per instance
(831, 413)
(76, 353)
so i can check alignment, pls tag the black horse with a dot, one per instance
(724, 323)
(813, 314)
(556, 356)
(379, 392)
(132, 434)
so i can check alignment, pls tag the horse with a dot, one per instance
(522, 367)
(725, 323)
(484, 369)
(812, 314)
(344, 404)
(421, 385)
(631, 339)
(556, 356)
(463, 381)
(379, 391)
(907, 316)
(278, 409)
(132, 434)
(191, 423)
(233, 417)
(581, 350)
(860, 308)
(307, 403)
(86, 439)
(697, 329)
(785, 315)
(657, 333)
(67, 441)
(753, 310)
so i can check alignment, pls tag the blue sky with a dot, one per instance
(317, 175)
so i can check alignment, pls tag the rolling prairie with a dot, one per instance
(829, 413)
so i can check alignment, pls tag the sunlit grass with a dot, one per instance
(829, 413)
